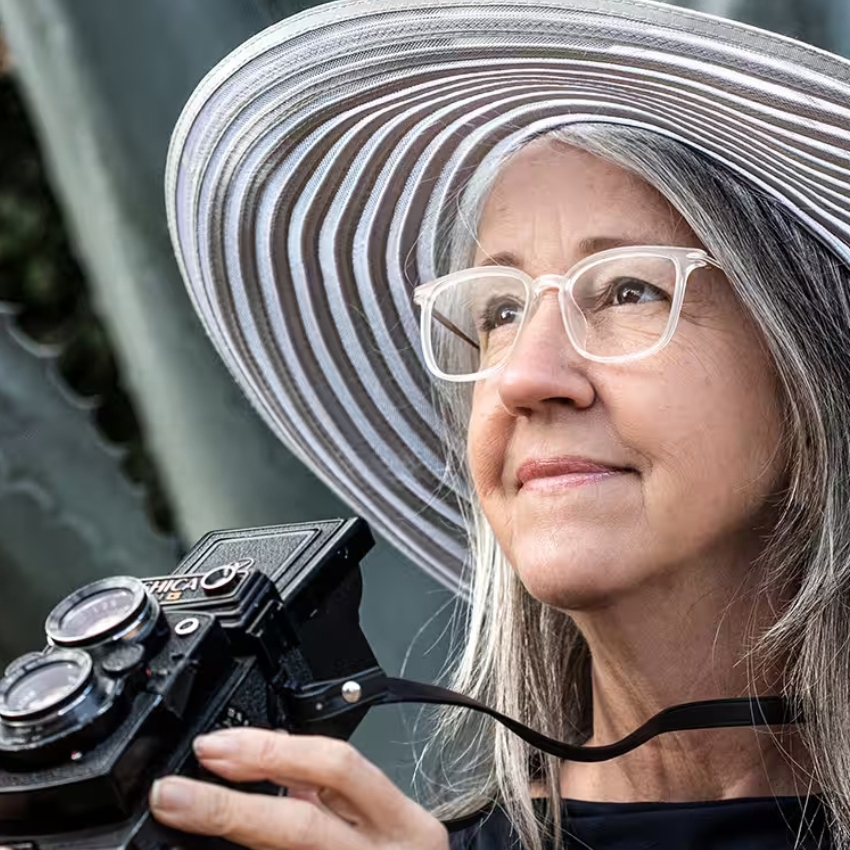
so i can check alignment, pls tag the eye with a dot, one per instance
(629, 290)
(498, 313)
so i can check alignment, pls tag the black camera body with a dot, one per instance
(136, 669)
(259, 628)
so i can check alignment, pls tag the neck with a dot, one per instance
(654, 651)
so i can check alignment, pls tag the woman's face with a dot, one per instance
(600, 480)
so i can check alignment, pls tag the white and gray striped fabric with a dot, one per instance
(311, 172)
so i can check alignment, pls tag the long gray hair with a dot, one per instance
(529, 660)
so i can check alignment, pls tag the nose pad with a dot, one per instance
(543, 329)
(543, 284)
(576, 322)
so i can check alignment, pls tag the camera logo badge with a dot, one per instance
(218, 581)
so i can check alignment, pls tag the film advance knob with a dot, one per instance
(221, 580)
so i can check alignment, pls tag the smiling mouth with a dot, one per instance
(561, 473)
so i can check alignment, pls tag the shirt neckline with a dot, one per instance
(648, 805)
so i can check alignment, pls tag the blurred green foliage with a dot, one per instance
(41, 277)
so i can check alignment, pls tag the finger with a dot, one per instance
(335, 802)
(251, 755)
(303, 792)
(253, 821)
(325, 798)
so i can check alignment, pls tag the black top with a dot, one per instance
(741, 824)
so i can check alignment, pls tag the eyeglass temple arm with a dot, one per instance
(453, 328)
(710, 261)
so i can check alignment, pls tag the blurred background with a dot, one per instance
(122, 438)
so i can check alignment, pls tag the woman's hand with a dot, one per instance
(337, 800)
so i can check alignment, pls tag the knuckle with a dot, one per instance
(268, 750)
(219, 811)
(340, 758)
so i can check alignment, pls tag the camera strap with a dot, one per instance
(322, 700)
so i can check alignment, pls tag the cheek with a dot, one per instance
(490, 432)
(486, 443)
(714, 443)
(702, 424)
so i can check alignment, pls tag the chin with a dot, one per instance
(574, 575)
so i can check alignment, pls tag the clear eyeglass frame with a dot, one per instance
(685, 261)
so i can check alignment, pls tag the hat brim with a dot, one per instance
(311, 172)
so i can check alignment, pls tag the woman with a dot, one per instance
(636, 218)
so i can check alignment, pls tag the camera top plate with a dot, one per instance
(306, 561)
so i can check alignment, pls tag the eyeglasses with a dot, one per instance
(617, 305)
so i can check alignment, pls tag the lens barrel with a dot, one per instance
(43, 687)
(46, 701)
(73, 693)
(103, 613)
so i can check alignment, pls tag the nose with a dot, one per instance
(543, 366)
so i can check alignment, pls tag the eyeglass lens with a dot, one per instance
(618, 307)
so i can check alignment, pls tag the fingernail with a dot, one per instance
(216, 746)
(171, 794)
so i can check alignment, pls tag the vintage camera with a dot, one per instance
(258, 627)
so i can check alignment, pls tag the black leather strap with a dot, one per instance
(321, 701)
(711, 714)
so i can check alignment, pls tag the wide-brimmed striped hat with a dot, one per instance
(312, 171)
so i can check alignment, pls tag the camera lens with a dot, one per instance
(104, 611)
(44, 685)
(54, 704)
(99, 613)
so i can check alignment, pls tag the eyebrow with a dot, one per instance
(586, 247)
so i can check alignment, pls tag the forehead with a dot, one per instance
(552, 203)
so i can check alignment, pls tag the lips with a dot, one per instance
(538, 468)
